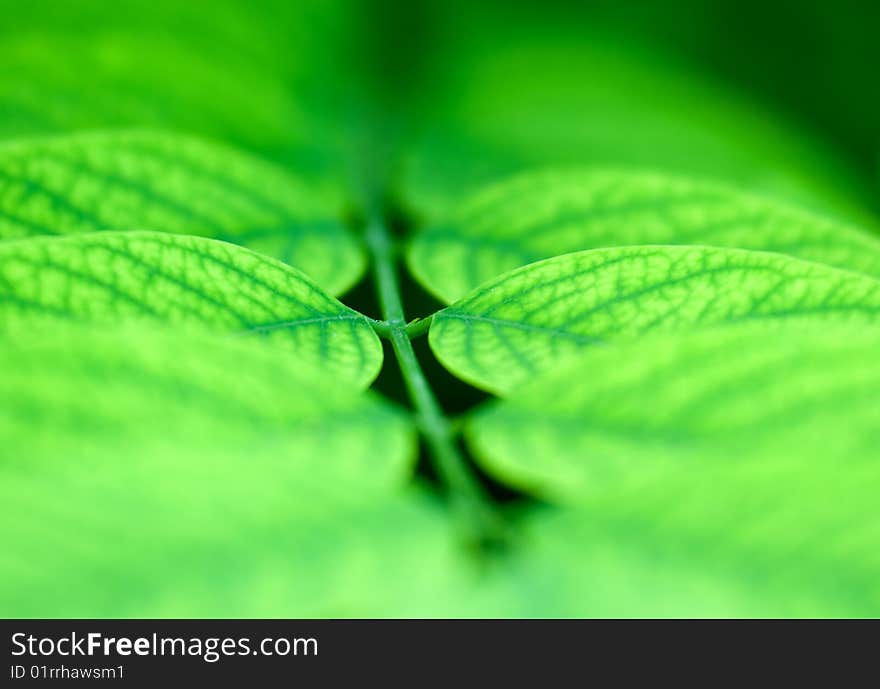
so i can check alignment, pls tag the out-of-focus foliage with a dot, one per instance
(90, 398)
(729, 472)
(183, 425)
(739, 397)
(524, 91)
(166, 473)
(276, 77)
(816, 60)
(792, 542)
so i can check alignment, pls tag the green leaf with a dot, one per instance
(513, 93)
(729, 472)
(535, 318)
(113, 277)
(547, 213)
(696, 548)
(166, 473)
(267, 557)
(640, 412)
(75, 394)
(224, 70)
(169, 183)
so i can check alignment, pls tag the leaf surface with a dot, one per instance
(114, 277)
(543, 214)
(76, 393)
(759, 547)
(170, 183)
(169, 473)
(640, 412)
(533, 319)
(730, 472)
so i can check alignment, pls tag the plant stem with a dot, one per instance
(418, 327)
(467, 494)
(381, 328)
(415, 328)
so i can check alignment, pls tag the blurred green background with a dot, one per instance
(316, 83)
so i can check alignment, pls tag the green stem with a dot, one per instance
(418, 327)
(466, 491)
(381, 328)
(415, 328)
